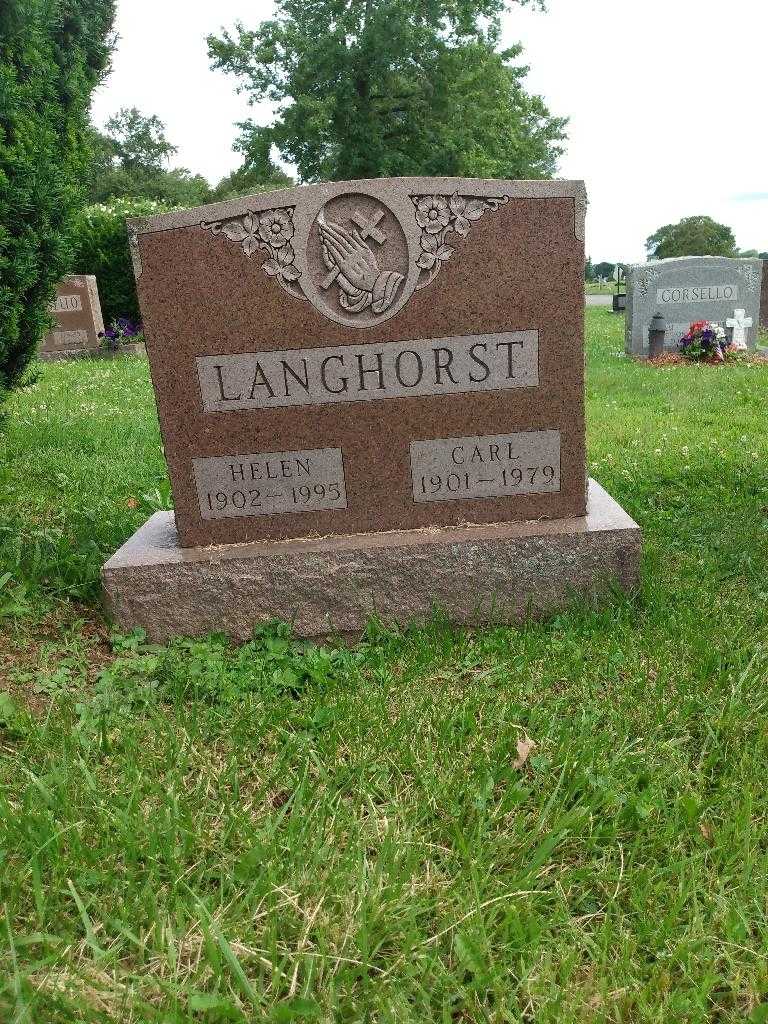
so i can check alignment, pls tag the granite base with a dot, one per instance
(475, 574)
(131, 349)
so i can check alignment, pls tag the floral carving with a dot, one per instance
(747, 271)
(433, 214)
(645, 280)
(352, 263)
(437, 216)
(270, 231)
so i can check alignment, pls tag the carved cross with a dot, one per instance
(368, 228)
(740, 323)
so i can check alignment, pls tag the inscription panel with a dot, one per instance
(270, 483)
(697, 293)
(67, 304)
(494, 466)
(366, 372)
(67, 341)
(675, 331)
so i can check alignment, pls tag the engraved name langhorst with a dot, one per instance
(364, 373)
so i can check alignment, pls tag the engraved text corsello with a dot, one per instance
(357, 257)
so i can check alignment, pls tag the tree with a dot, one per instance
(177, 187)
(138, 141)
(129, 162)
(693, 236)
(604, 269)
(52, 54)
(763, 255)
(368, 88)
(258, 172)
(589, 270)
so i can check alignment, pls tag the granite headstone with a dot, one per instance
(77, 312)
(687, 289)
(343, 370)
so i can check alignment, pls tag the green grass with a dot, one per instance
(593, 288)
(284, 832)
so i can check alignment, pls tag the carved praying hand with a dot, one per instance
(355, 269)
(356, 263)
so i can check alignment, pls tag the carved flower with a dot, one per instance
(241, 229)
(750, 278)
(466, 209)
(275, 228)
(432, 214)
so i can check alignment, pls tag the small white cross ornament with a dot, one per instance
(739, 322)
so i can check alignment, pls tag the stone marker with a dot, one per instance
(764, 298)
(739, 324)
(371, 396)
(687, 289)
(78, 320)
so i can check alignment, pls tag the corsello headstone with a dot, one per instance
(687, 289)
(368, 356)
(77, 312)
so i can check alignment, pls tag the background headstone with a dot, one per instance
(77, 311)
(687, 289)
(764, 298)
(368, 356)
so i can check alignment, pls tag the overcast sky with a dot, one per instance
(666, 99)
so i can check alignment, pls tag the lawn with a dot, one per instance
(281, 832)
(594, 288)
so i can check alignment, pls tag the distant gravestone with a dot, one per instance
(764, 298)
(688, 289)
(371, 396)
(78, 320)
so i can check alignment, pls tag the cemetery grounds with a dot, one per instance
(595, 288)
(567, 821)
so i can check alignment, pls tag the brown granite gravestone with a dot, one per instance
(78, 319)
(353, 361)
(764, 298)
